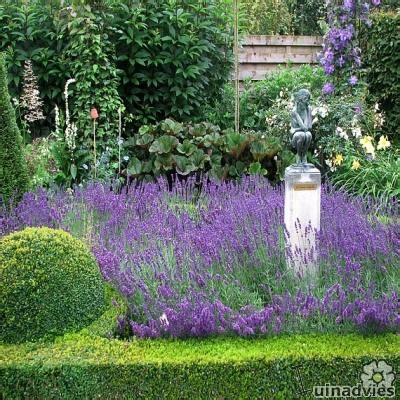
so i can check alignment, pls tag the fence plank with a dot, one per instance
(257, 72)
(276, 40)
(260, 54)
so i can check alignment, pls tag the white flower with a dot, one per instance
(120, 141)
(71, 131)
(356, 132)
(323, 111)
(84, 166)
(30, 99)
(164, 320)
(126, 158)
(376, 107)
(342, 133)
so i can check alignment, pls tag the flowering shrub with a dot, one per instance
(196, 263)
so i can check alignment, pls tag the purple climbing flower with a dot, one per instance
(353, 80)
(328, 88)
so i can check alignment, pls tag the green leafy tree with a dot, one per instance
(13, 176)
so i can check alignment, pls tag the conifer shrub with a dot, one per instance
(13, 175)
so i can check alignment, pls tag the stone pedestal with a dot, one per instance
(302, 217)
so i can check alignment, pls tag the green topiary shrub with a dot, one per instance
(49, 284)
(13, 176)
(381, 49)
(278, 368)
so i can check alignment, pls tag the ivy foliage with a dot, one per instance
(382, 60)
(13, 175)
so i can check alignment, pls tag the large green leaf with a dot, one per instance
(235, 143)
(256, 168)
(134, 167)
(164, 144)
(171, 127)
(144, 140)
(237, 169)
(186, 147)
(184, 165)
(198, 158)
(164, 162)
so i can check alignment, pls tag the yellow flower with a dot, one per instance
(369, 148)
(383, 143)
(338, 159)
(365, 140)
(356, 165)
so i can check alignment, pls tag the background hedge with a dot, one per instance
(165, 58)
(381, 49)
(80, 366)
(49, 284)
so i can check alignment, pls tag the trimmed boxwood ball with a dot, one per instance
(49, 284)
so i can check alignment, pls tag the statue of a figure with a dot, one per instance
(301, 125)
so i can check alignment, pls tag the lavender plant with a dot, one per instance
(198, 263)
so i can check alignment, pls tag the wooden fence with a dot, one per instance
(262, 54)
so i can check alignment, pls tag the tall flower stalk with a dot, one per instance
(30, 99)
(94, 115)
(70, 128)
(119, 139)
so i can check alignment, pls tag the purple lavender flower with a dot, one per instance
(348, 5)
(222, 269)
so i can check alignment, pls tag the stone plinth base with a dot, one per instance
(302, 217)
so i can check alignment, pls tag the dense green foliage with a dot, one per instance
(165, 58)
(266, 17)
(50, 284)
(382, 60)
(379, 178)
(172, 147)
(281, 17)
(13, 177)
(309, 16)
(80, 366)
(258, 96)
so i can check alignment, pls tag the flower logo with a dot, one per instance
(377, 374)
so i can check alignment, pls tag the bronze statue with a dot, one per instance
(301, 125)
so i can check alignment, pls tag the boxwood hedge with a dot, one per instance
(50, 284)
(83, 366)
